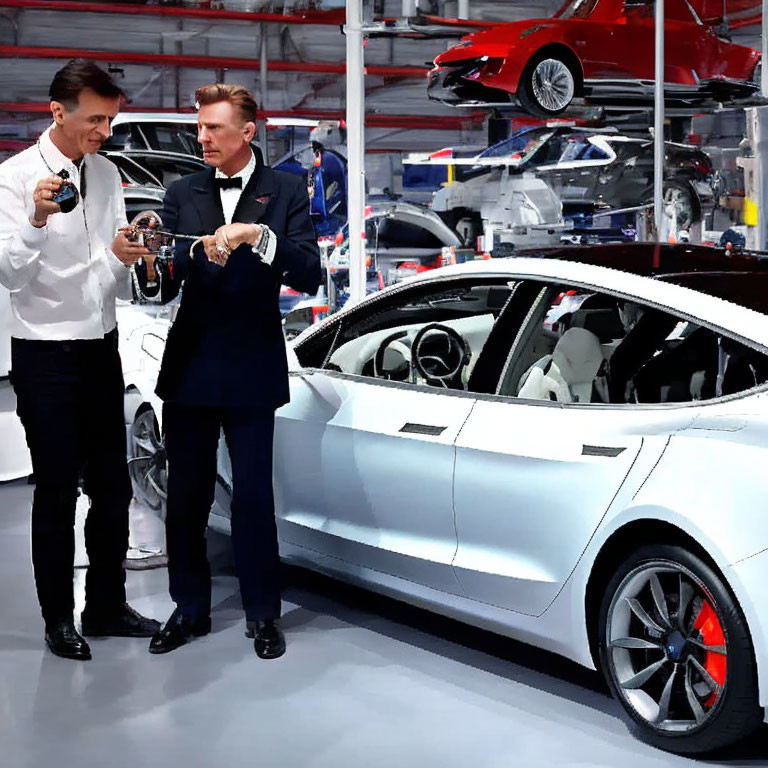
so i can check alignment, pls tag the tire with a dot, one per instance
(686, 201)
(643, 649)
(147, 464)
(547, 86)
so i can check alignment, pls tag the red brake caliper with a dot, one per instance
(712, 634)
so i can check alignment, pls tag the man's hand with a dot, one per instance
(224, 240)
(127, 251)
(46, 188)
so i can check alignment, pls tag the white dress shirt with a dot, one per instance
(63, 277)
(231, 197)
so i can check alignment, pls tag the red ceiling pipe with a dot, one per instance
(373, 120)
(201, 62)
(334, 17)
(14, 145)
(331, 18)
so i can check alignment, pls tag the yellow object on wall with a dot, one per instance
(750, 212)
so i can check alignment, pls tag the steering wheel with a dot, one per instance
(400, 372)
(439, 353)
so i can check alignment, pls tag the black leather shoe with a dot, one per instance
(177, 630)
(64, 640)
(268, 638)
(123, 622)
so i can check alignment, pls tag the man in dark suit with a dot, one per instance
(225, 362)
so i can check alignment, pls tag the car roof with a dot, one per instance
(712, 296)
(155, 117)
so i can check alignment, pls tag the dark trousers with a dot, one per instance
(70, 401)
(191, 441)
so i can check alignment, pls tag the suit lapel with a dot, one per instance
(256, 196)
(207, 201)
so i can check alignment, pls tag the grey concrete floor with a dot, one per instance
(366, 681)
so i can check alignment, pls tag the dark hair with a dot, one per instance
(75, 76)
(237, 95)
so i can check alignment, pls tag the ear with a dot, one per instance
(249, 131)
(58, 110)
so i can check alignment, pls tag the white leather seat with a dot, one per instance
(567, 374)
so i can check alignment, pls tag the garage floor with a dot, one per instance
(366, 682)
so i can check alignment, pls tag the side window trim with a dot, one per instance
(524, 332)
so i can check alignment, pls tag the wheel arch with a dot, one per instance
(617, 547)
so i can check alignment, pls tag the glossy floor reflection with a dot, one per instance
(366, 682)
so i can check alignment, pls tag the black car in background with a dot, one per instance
(605, 169)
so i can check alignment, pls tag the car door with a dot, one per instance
(375, 456)
(377, 459)
(535, 476)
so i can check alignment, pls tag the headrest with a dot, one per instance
(604, 323)
(578, 356)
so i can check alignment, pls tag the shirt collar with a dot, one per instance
(52, 155)
(245, 174)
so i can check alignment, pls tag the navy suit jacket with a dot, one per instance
(226, 346)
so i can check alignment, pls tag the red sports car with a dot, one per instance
(601, 49)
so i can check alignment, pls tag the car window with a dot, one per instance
(577, 9)
(426, 336)
(519, 147)
(585, 347)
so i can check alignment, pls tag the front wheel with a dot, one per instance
(147, 464)
(683, 198)
(676, 652)
(547, 86)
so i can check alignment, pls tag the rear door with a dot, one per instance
(536, 470)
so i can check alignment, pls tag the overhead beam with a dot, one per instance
(329, 18)
(372, 120)
(202, 62)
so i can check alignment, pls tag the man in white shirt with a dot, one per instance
(64, 271)
(225, 364)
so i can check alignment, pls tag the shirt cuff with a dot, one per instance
(267, 254)
(33, 237)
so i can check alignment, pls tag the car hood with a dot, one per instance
(494, 41)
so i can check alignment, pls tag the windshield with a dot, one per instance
(577, 9)
(518, 148)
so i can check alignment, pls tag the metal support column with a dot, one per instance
(764, 59)
(263, 85)
(356, 148)
(658, 123)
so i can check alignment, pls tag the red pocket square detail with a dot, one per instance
(263, 199)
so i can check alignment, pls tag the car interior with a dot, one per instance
(603, 350)
(614, 351)
(435, 339)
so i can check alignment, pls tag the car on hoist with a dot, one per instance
(602, 168)
(597, 494)
(600, 49)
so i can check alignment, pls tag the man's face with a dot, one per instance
(88, 125)
(223, 134)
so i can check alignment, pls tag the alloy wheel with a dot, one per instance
(552, 84)
(148, 469)
(666, 648)
(680, 200)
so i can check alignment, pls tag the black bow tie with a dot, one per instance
(233, 183)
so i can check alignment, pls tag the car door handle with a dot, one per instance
(422, 429)
(608, 451)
